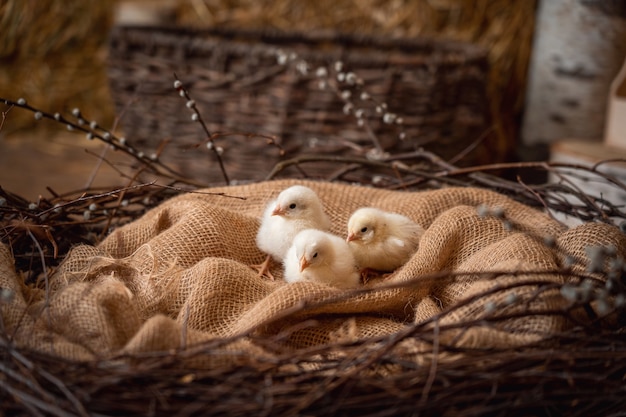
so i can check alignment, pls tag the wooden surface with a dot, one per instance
(30, 161)
(588, 152)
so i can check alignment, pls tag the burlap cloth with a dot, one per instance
(180, 275)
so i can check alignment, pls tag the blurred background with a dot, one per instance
(551, 65)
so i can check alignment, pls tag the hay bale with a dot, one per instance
(54, 55)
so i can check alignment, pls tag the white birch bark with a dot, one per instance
(578, 49)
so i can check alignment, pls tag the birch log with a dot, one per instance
(578, 49)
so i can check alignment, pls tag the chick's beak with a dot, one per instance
(278, 211)
(351, 237)
(304, 263)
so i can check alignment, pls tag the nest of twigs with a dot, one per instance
(582, 376)
(577, 372)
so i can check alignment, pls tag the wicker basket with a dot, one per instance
(438, 88)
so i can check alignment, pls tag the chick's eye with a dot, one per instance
(315, 255)
(363, 230)
(292, 206)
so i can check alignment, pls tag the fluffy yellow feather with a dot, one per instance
(321, 257)
(382, 240)
(295, 209)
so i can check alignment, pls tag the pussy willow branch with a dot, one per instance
(82, 201)
(349, 88)
(197, 116)
(269, 140)
(349, 102)
(94, 131)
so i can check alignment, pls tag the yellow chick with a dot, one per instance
(382, 240)
(295, 209)
(320, 256)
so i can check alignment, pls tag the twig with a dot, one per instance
(80, 408)
(433, 363)
(197, 117)
(471, 146)
(4, 114)
(95, 169)
(183, 190)
(282, 165)
(30, 401)
(537, 196)
(42, 258)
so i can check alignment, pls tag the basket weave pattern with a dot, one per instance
(437, 87)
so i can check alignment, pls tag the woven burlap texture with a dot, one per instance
(180, 275)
